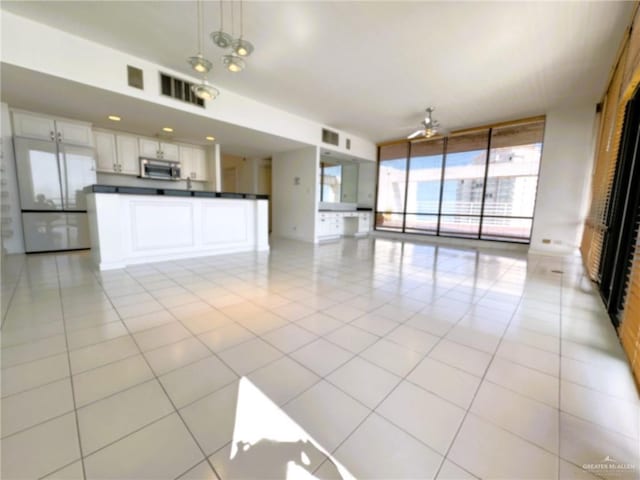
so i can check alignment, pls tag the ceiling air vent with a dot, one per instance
(134, 77)
(178, 89)
(332, 138)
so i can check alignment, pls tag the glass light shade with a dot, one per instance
(204, 91)
(200, 64)
(233, 63)
(242, 47)
(221, 39)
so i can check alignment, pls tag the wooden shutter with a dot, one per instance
(630, 327)
(604, 171)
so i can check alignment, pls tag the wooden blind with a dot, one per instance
(630, 326)
(468, 142)
(394, 152)
(624, 82)
(428, 148)
(612, 119)
(526, 134)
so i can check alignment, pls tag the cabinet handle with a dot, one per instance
(60, 136)
(53, 135)
(115, 167)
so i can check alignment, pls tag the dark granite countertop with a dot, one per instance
(170, 192)
(359, 209)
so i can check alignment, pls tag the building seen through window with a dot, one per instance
(477, 185)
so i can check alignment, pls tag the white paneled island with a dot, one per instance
(130, 225)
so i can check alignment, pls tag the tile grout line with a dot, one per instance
(374, 409)
(13, 292)
(175, 408)
(468, 410)
(73, 391)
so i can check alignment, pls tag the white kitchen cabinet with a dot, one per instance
(41, 127)
(74, 133)
(33, 126)
(106, 156)
(128, 155)
(193, 163)
(116, 153)
(152, 148)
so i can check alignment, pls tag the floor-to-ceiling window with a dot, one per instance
(480, 184)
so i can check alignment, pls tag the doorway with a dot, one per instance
(230, 179)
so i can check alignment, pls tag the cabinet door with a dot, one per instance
(33, 126)
(149, 148)
(105, 151)
(127, 148)
(186, 161)
(199, 167)
(364, 222)
(74, 133)
(169, 151)
(322, 225)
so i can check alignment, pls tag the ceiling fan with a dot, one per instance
(429, 126)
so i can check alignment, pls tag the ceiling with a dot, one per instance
(371, 68)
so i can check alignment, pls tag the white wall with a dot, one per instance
(38, 47)
(295, 193)
(11, 232)
(565, 172)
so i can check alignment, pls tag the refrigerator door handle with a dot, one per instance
(62, 164)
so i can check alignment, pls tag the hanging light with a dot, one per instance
(198, 62)
(221, 38)
(240, 46)
(204, 90)
(233, 63)
(201, 65)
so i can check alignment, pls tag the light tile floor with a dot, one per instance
(400, 360)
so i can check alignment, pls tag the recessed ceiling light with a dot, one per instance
(167, 129)
(115, 118)
(210, 138)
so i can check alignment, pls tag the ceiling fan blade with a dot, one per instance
(415, 134)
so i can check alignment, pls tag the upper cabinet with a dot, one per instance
(116, 153)
(41, 127)
(106, 157)
(128, 154)
(152, 148)
(193, 163)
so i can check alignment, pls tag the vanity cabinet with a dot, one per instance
(332, 225)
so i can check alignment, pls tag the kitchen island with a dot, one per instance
(134, 225)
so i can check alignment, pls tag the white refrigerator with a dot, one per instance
(51, 179)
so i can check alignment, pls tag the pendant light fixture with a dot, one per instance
(198, 62)
(221, 38)
(205, 91)
(201, 64)
(240, 47)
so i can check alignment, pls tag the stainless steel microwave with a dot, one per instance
(159, 169)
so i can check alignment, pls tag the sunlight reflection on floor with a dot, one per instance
(266, 442)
